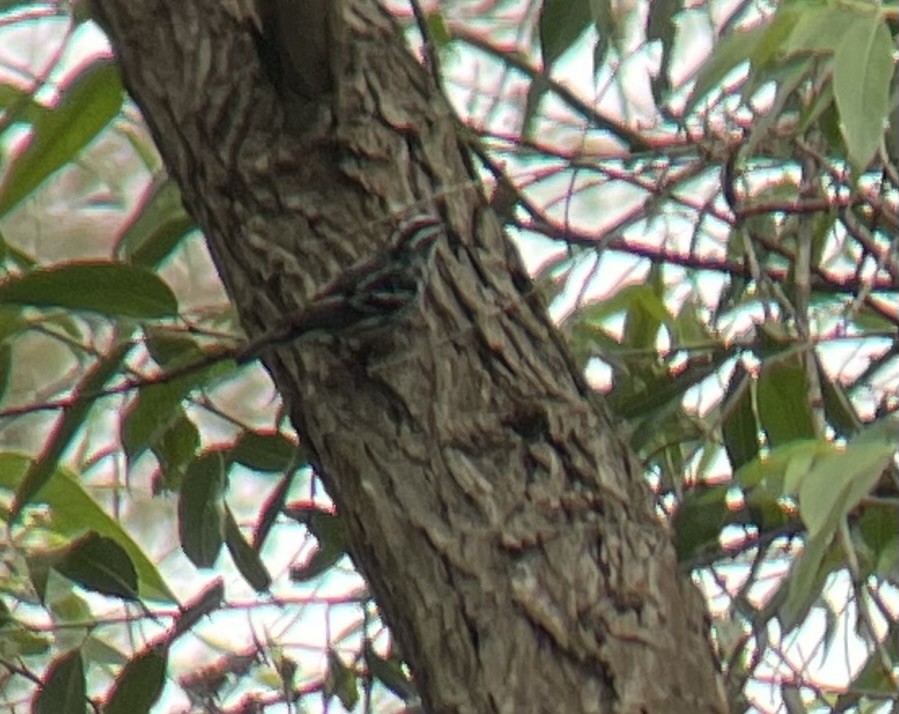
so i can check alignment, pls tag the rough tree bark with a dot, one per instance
(502, 525)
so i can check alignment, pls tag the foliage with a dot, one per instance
(718, 236)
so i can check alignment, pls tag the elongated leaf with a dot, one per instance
(88, 104)
(153, 414)
(139, 684)
(664, 392)
(806, 579)
(873, 680)
(114, 289)
(740, 427)
(71, 511)
(660, 26)
(732, 51)
(838, 408)
(769, 472)
(839, 481)
(158, 225)
(819, 29)
(783, 402)
(201, 524)
(341, 681)
(172, 349)
(271, 509)
(879, 527)
(245, 557)
(389, 672)
(263, 451)
(608, 34)
(561, 23)
(100, 564)
(863, 68)
(63, 689)
(769, 48)
(174, 450)
(66, 427)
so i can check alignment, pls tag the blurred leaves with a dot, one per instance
(71, 510)
(88, 103)
(734, 256)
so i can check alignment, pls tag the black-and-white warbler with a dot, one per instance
(365, 294)
(392, 283)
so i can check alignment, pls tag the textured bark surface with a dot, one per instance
(501, 524)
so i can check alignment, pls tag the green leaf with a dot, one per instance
(740, 427)
(5, 367)
(100, 564)
(438, 32)
(818, 29)
(328, 531)
(838, 409)
(172, 349)
(63, 689)
(155, 412)
(863, 69)
(88, 104)
(606, 23)
(770, 45)
(561, 23)
(175, 448)
(71, 607)
(806, 579)
(97, 651)
(767, 511)
(730, 53)
(873, 679)
(264, 451)
(837, 482)
(71, 511)
(157, 409)
(770, 471)
(18, 641)
(271, 509)
(662, 393)
(66, 427)
(879, 528)
(319, 560)
(783, 402)
(787, 76)
(156, 228)
(701, 515)
(113, 289)
(245, 557)
(139, 684)
(660, 26)
(201, 523)
(689, 328)
(389, 672)
(646, 312)
(341, 681)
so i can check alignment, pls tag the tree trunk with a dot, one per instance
(504, 529)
